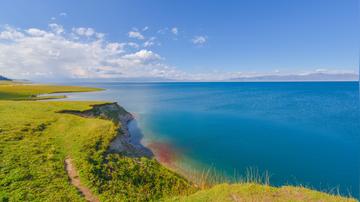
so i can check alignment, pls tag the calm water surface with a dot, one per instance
(302, 133)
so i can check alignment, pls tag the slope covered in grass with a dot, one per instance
(256, 192)
(31, 150)
(35, 140)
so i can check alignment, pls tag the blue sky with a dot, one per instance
(209, 39)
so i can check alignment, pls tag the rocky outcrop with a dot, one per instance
(123, 142)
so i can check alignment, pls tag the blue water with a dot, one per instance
(302, 132)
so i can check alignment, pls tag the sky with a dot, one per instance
(179, 40)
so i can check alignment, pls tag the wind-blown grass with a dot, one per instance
(252, 185)
(258, 192)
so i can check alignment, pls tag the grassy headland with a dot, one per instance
(35, 140)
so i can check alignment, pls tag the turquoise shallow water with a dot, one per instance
(302, 133)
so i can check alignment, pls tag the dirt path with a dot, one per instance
(74, 178)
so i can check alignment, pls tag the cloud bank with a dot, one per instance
(82, 52)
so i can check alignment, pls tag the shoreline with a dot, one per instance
(132, 134)
(165, 154)
(132, 138)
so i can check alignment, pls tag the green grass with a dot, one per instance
(31, 156)
(26, 91)
(35, 140)
(253, 185)
(256, 192)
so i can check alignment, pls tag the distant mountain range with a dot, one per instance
(303, 77)
(319, 76)
(2, 78)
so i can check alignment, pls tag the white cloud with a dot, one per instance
(100, 35)
(36, 32)
(145, 28)
(175, 30)
(63, 14)
(115, 48)
(143, 55)
(332, 71)
(10, 33)
(199, 40)
(132, 44)
(149, 42)
(58, 29)
(321, 70)
(83, 31)
(36, 53)
(135, 34)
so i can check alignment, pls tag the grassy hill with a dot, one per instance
(35, 140)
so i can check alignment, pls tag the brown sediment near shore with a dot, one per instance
(163, 152)
(172, 158)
